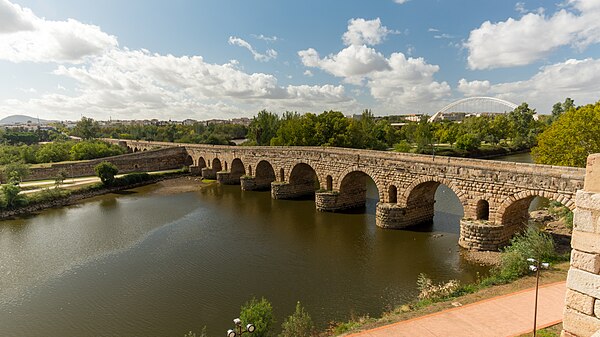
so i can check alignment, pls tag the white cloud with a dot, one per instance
(267, 56)
(520, 7)
(308, 73)
(433, 30)
(533, 36)
(369, 32)
(397, 83)
(352, 62)
(26, 37)
(578, 79)
(401, 1)
(473, 88)
(133, 84)
(268, 39)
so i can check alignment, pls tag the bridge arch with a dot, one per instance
(514, 210)
(474, 100)
(216, 165)
(201, 163)
(237, 167)
(430, 184)
(344, 173)
(189, 161)
(304, 179)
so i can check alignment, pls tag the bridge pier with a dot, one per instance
(333, 201)
(483, 235)
(254, 184)
(229, 178)
(284, 190)
(209, 173)
(393, 216)
(196, 170)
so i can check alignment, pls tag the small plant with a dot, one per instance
(259, 313)
(298, 324)
(60, 178)
(193, 334)
(532, 243)
(430, 291)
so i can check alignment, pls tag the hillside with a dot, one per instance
(13, 119)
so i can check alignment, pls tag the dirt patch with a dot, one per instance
(181, 185)
(486, 258)
(554, 225)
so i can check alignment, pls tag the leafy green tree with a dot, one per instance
(571, 138)
(468, 142)
(259, 313)
(86, 128)
(423, 136)
(89, 149)
(53, 152)
(522, 126)
(11, 195)
(263, 127)
(14, 172)
(298, 324)
(402, 146)
(106, 172)
(60, 178)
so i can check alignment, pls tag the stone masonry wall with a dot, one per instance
(582, 304)
(153, 160)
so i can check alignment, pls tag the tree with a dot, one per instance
(571, 139)
(60, 178)
(86, 128)
(259, 313)
(468, 142)
(12, 197)
(263, 127)
(14, 172)
(299, 324)
(107, 172)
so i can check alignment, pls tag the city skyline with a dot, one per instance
(222, 60)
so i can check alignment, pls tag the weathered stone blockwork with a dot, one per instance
(494, 192)
(582, 303)
(154, 160)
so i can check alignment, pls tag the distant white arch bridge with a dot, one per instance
(475, 105)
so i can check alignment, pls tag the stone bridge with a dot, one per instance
(495, 195)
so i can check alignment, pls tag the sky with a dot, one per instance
(205, 59)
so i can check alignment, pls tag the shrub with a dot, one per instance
(532, 243)
(403, 146)
(12, 197)
(298, 324)
(106, 171)
(48, 194)
(132, 178)
(259, 313)
(430, 291)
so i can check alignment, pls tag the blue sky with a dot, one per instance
(224, 59)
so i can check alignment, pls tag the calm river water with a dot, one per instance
(146, 263)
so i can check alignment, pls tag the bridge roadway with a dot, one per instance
(495, 195)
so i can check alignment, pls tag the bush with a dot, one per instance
(430, 291)
(468, 142)
(259, 313)
(48, 194)
(132, 178)
(106, 171)
(532, 243)
(298, 324)
(403, 146)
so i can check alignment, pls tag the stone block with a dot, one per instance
(566, 334)
(597, 308)
(588, 200)
(579, 324)
(580, 302)
(585, 241)
(592, 174)
(585, 261)
(583, 220)
(584, 282)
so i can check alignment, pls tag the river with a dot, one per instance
(149, 263)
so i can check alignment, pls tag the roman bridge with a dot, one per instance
(495, 195)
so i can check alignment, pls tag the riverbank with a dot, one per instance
(173, 182)
(408, 311)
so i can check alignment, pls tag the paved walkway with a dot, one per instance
(504, 316)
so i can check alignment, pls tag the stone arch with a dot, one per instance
(367, 171)
(304, 179)
(189, 161)
(434, 183)
(329, 183)
(514, 209)
(237, 167)
(201, 163)
(482, 211)
(353, 190)
(145, 149)
(264, 175)
(136, 150)
(216, 165)
(392, 194)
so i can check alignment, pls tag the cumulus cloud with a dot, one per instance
(268, 39)
(522, 41)
(396, 82)
(473, 88)
(267, 56)
(578, 79)
(130, 84)
(26, 37)
(401, 1)
(308, 73)
(369, 32)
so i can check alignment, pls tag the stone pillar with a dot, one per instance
(390, 215)
(284, 190)
(582, 304)
(229, 178)
(482, 235)
(332, 201)
(195, 170)
(254, 184)
(208, 173)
